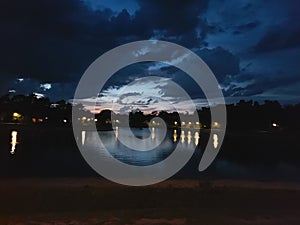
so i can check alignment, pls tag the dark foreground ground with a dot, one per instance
(95, 201)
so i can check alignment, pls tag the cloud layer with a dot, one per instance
(253, 47)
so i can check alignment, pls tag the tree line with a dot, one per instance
(243, 115)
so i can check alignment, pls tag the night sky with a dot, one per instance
(252, 46)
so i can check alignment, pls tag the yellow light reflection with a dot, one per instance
(153, 133)
(189, 137)
(216, 140)
(14, 135)
(117, 132)
(197, 137)
(175, 136)
(182, 136)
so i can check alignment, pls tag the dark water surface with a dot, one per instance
(52, 152)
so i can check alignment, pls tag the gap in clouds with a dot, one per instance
(148, 86)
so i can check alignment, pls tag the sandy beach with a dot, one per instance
(97, 201)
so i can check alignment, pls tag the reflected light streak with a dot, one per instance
(175, 136)
(83, 133)
(153, 133)
(216, 140)
(182, 136)
(14, 142)
(117, 133)
(189, 137)
(197, 137)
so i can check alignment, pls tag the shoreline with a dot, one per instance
(174, 183)
(97, 201)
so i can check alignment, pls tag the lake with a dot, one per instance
(41, 152)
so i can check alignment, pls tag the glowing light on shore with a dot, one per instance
(16, 116)
(216, 125)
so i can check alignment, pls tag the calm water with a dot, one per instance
(54, 153)
(150, 152)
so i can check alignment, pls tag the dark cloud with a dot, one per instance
(221, 62)
(279, 38)
(173, 20)
(117, 5)
(50, 40)
(241, 29)
(247, 85)
(124, 109)
(175, 16)
(284, 34)
(55, 41)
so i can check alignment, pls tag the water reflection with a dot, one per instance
(216, 140)
(184, 139)
(189, 137)
(14, 135)
(197, 137)
(83, 134)
(153, 133)
(117, 132)
(175, 136)
(186, 136)
(182, 136)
